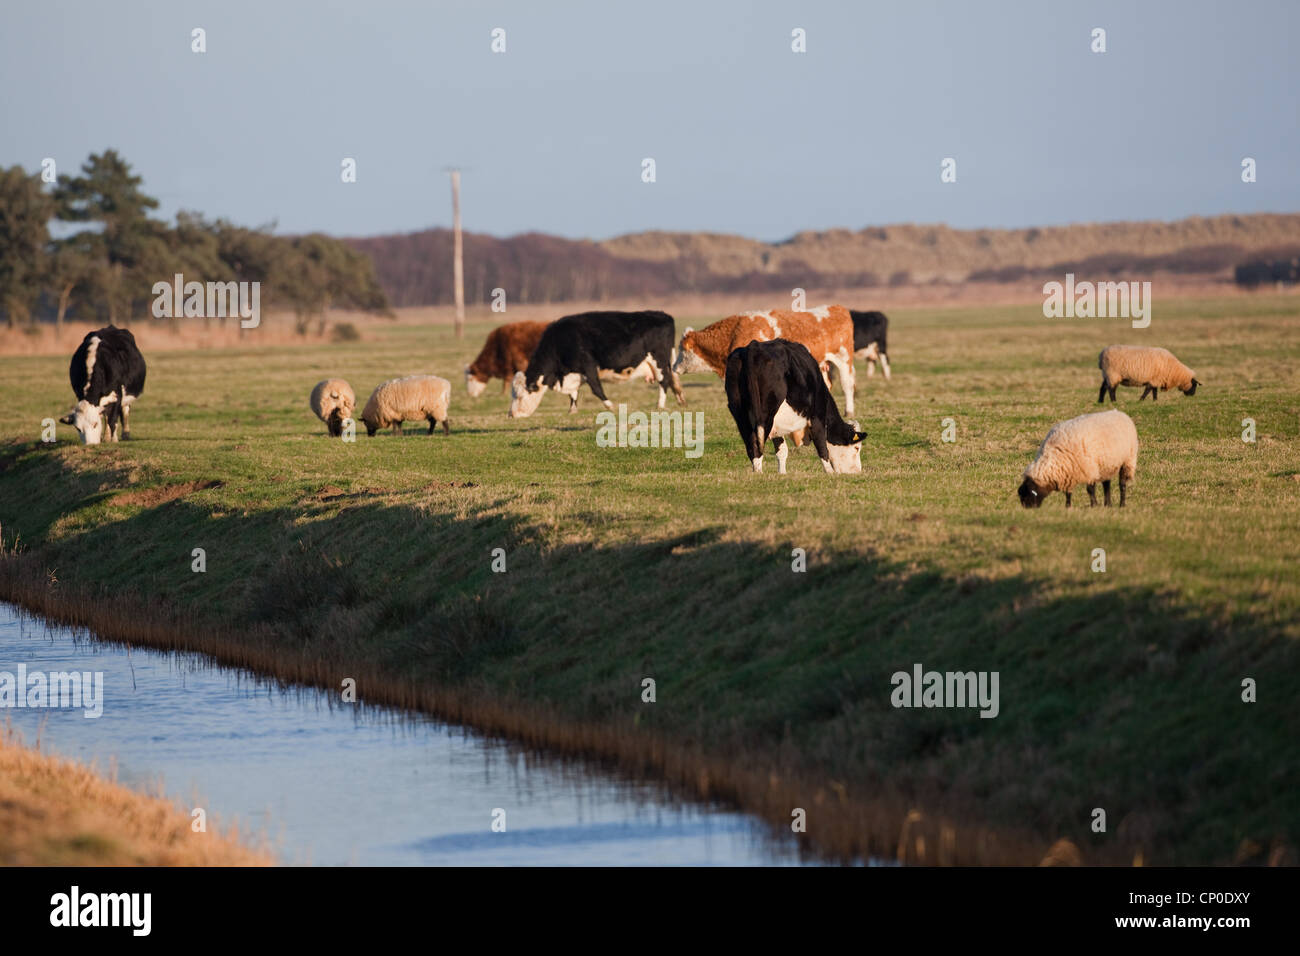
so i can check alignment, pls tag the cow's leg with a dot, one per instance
(1105, 490)
(1092, 496)
(782, 453)
(847, 378)
(592, 375)
(884, 365)
(817, 433)
(871, 368)
(126, 419)
(1101, 396)
(668, 379)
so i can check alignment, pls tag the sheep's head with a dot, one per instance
(472, 383)
(1032, 493)
(524, 398)
(1191, 389)
(88, 420)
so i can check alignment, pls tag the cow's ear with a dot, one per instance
(858, 436)
(688, 331)
(69, 419)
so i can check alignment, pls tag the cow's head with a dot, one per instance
(847, 459)
(688, 360)
(473, 385)
(1032, 493)
(88, 420)
(524, 398)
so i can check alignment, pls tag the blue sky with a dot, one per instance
(748, 137)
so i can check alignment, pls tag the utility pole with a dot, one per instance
(458, 258)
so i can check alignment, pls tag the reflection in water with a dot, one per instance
(333, 783)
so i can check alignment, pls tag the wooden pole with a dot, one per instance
(458, 263)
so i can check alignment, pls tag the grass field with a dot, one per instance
(1119, 690)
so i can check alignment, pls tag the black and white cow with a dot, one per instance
(107, 375)
(595, 345)
(869, 331)
(775, 389)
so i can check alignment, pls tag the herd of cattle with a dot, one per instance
(778, 369)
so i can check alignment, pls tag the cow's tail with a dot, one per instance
(755, 402)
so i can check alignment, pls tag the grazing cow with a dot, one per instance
(869, 330)
(775, 389)
(107, 375)
(826, 332)
(592, 346)
(505, 352)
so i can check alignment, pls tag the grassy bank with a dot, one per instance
(55, 812)
(1118, 690)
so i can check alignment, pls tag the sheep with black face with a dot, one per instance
(1085, 450)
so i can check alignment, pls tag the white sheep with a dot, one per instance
(333, 401)
(408, 399)
(1083, 450)
(1148, 366)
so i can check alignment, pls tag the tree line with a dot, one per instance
(106, 269)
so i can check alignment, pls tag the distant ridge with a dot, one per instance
(414, 268)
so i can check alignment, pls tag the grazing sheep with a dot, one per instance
(333, 401)
(408, 399)
(1083, 450)
(1153, 368)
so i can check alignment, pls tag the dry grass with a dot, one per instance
(55, 812)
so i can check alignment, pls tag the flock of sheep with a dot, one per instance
(1088, 450)
(413, 398)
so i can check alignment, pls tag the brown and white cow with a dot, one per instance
(505, 352)
(826, 332)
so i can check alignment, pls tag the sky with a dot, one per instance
(747, 136)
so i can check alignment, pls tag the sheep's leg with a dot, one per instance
(1112, 393)
(397, 428)
(1155, 394)
(1105, 489)
(1101, 396)
(446, 429)
(1092, 496)
(1067, 499)
(1146, 390)
(1123, 489)
(432, 423)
